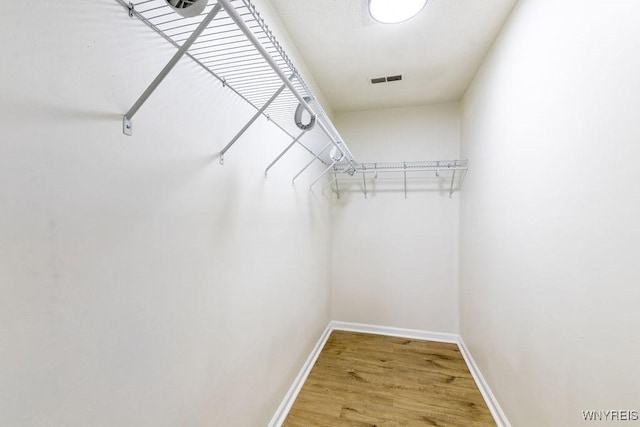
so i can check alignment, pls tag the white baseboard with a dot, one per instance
(487, 394)
(489, 397)
(292, 393)
(394, 332)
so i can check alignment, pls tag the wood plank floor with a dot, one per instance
(378, 381)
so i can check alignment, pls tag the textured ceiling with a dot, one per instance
(437, 52)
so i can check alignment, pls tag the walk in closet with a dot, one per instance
(201, 201)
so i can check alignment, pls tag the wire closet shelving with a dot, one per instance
(232, 42)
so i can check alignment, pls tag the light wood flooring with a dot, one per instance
(378, 381)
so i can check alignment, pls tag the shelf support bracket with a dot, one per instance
(322, 174)
(326, 147)
(250, 122)
(296, 139)
(335, 178)
(126, 122)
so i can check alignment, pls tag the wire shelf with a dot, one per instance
(232, 42)
(430, 165)
(225, 51)
(343, 169)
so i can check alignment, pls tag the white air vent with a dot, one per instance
(187, 8)
(387, 79)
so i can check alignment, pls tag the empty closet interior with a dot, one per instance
(194, 193)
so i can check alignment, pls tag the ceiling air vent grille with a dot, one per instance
(377, 80)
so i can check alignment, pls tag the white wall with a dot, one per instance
(550, 235)
(395, 260)
(141, 283)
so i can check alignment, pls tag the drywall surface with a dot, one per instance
(395, 260)
(141, 282)
(550, 235)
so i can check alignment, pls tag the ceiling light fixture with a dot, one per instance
(394, 11)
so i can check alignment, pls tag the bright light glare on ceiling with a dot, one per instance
(394, 11)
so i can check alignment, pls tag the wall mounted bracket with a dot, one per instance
(127, 126)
